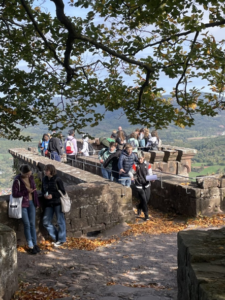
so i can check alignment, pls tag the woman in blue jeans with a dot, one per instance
(50, 185)
(24, 186)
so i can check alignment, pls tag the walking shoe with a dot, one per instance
(37, 248)
(32, 251)
(58, 244)
(147, 218)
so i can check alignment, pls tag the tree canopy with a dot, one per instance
(114, 56)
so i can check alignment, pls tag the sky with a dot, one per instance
(164, 81)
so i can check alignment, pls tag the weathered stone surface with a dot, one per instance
(207, 182)
(8, 262)
(201, 265)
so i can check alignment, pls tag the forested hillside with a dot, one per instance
(210, 157)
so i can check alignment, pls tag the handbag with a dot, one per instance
(65, 202)
(15, 206)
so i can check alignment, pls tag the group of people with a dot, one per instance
(53, 146)
(123, 161)
(24, 186)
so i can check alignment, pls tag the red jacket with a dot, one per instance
(21, 191)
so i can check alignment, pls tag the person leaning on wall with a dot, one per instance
(24, 186)
(50, 185)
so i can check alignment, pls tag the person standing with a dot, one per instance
(55, 149)
(24, 186)
(126, 161)
(70, 146)
(113, 160)
(120, 140)
(51, 185)
(44, 145)
(134, 142)
(102, 156)
(142, 169)
(85, 149)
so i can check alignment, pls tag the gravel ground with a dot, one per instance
(109, 273)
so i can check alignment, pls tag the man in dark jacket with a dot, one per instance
(125, 163)
(55, 148)
(114, 157)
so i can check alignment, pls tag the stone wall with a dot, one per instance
(97, 204)
(170, 159)
(8, 262)
(173, 193)
(201, 265)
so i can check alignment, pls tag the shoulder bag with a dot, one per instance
(15, 206)
(65, 201)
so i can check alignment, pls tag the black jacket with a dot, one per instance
(55, 145)
(50, 185)
(114, 157)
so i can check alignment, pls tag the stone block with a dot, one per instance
(201, 265)
(103, 218)
(156, 156)
(8, 263)
(88, 210)
(170, 155)
(207, 182)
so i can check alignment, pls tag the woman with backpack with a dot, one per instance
(140, 170)
(51, 185)
(24, 186)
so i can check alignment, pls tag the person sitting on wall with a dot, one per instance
(102, 156)
(154, 142)
(141, 169)
(126, 161)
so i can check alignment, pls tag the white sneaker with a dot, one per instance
(58, 244)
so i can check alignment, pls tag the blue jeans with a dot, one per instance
(126, 181)
(106, 173)
(28, 217)
(55, 156)
(58, 235)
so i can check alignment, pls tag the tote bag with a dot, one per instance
(65, 202)
(15, 206)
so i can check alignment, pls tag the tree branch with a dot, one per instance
(186, 65)
(69, 70)
(142, 89)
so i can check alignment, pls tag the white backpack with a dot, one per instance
(69, 147)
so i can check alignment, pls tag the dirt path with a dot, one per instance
(109, 273)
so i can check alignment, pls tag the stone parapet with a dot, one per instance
(201, 265)
(8, 263)
(97, 203)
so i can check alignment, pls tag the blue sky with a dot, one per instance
(164, 81)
